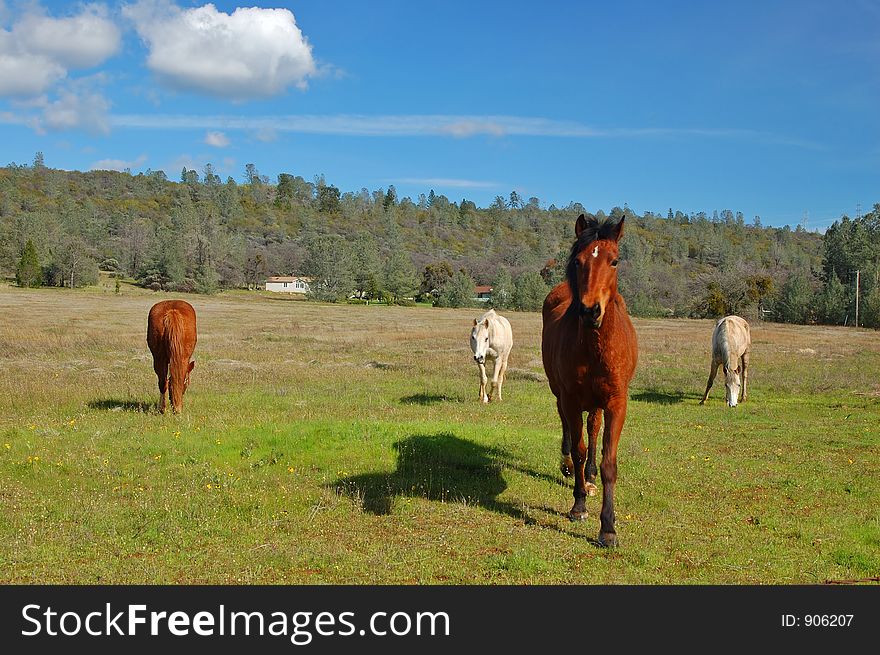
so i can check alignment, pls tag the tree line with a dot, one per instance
(202, 234)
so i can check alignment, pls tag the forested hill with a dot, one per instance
(202, 234)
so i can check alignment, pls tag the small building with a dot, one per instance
(482, 293)
(288, 284)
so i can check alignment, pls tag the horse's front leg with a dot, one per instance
(594, 422)
(745, 374)
(712, 373)
(161, 369)
(615, 415)
(483, 380)
(495, 387)
(575, 420)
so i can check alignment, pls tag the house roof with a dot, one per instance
(288, 278)
(483, 289)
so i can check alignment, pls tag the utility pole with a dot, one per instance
(858, 275)
(858, 211)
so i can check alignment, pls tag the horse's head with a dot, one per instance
(592, 267)
(176, 391)
(480, 340)
(732, 382)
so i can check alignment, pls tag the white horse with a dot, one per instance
(731, 341)
(491, 338)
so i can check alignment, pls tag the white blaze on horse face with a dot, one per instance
(731, 385)
(596, 251)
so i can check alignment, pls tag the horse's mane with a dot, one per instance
(594, 231)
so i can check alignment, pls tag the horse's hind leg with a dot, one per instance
(500, 372)
(745, 369)
(594, 423)
(712, 373)
(566, 465)
(161, 368)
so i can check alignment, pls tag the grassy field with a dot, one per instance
(332, 444)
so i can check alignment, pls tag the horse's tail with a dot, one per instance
(174, 328)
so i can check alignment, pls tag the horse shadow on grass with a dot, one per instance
(655, 397)
(427, 399)
(118, 405)
(446, 468)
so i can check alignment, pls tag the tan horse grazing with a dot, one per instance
(590, 349)
(491, 338)
(731, 341)
(171, 336)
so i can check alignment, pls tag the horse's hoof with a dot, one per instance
(577, 516)
(608, 539)
(591, 489)
(566, 466)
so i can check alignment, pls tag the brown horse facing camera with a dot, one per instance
(589, 348)
(171, 336)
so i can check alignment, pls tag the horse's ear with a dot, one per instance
(618, 229)
(580, 225)
(192, 365)
(475, 322)
(486, 322)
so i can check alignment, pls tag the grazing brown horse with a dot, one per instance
(590, 349)
(171, 336)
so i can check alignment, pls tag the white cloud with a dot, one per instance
(118, 164)
(80, 41)
(39, 50)
(469, 127)
(447, 182)
(26, 75)
(217, 139)
(76, 109)
(442, 125)
(266, 135)
(250, 53)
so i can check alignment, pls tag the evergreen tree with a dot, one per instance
(502, 289)
(28, 273)
(366, 265)
(796, 299)
(530, 292)
(833, 301)
(390, 198)
(401, 280)
(458, 291)
(328, 262)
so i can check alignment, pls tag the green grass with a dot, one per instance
(331, 444)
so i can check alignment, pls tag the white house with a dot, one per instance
(288, 284)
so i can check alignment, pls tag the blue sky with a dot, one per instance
(769, 108)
